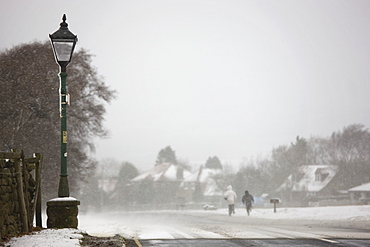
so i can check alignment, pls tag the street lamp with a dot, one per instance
(62, 212)
(63, 42)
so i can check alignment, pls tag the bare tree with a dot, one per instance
(29, 102)
(350, 150)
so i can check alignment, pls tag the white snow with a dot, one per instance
(361, 188)
(48, 238)
(109, 225)
(62, 199)
(308, 182)
(205, 176)
(165, 171)
(317, 213)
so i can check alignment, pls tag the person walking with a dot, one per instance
(230, 197)
(247, 201)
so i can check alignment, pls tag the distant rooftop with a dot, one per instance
(313, 178)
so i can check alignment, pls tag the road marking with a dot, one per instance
(328, 240)
(185, 235)
(207, 234)
(138, 243)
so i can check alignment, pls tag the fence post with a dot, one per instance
(38, 190)
(26, 193)
(23, 210)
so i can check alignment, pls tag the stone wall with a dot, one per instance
(12, 209)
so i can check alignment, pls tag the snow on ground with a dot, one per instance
(98, 224)
(48, 238)
(317, 213)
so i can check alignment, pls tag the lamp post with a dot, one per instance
(63, 42)
(62, 212)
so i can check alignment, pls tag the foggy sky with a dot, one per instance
(232, 78)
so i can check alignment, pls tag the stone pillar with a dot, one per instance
(62, 212)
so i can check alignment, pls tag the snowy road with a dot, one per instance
(320, 224)
(315, 226)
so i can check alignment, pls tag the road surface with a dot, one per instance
(197, 228)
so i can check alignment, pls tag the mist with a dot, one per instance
(307, 172)
(269, 97)
(232, 80)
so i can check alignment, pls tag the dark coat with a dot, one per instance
(247, 199)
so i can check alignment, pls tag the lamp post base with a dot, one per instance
(63, 190)
(62, 212)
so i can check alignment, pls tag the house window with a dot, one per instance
(320, 177)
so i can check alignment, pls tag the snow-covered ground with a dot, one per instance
(106, 225)
(49, 238)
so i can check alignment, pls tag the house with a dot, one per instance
(203, 185)
(107, 185)
(158, 185)
(163, 172)
(309, 182)
(360, 194)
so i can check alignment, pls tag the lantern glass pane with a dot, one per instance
(63, 50)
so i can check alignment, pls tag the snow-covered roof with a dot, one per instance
(206, 177)
(201, 175)
(162, 172)
(212, 189)
(361, 188)
(307, 181)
